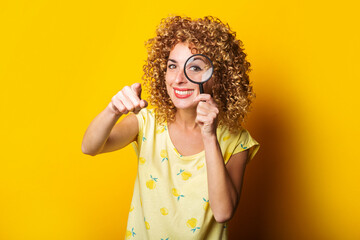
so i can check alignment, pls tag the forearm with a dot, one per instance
(223, 197)
(98, 131)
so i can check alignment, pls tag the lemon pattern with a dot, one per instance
(176, 194)
(151, 184)
(206, 204)
(177, 152)
(226, 138)
(160, 129)
(201, 165)
(191, 223)
(171, 199)
(127, 234)
(147, 225)
(164, 211)
(185, 175)
(164, 155)
(142, 161)
(130, 234)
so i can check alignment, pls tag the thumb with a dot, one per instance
(136, 87)
(143, 104)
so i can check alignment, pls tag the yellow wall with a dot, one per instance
(62, 61)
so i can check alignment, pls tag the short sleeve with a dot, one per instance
(246, 142)
(142, 118)
(232, 143)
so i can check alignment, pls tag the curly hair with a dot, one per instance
(231, 90)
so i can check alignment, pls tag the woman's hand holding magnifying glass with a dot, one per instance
(128, 100)
(207, 113)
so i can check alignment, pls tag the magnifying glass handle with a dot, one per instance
(201, 88)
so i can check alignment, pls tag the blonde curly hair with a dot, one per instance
(231, 89)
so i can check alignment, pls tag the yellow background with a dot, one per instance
(62, 61)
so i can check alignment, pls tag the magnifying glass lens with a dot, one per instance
(198, 68)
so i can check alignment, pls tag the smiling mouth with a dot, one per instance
(183, 93)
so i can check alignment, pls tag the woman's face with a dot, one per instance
(181, 91)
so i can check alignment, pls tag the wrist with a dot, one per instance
(110, 109)
(209, 138)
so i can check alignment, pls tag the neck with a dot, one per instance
(186, 118)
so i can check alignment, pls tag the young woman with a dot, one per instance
(192, 149)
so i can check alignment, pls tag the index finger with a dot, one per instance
(132, 96)
(136, 87)
(204, 97)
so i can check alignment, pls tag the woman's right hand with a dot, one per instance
(128, 100)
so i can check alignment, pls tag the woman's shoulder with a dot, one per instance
(146, 114)
(232, 143)
(241, 137)
(224, 132)
(147, 118)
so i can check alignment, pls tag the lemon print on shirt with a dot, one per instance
(164, 155)
(142, 161)
(160, 129)
(147, 225)
(131, 208)
(184, 174)
(151, 183)
(200, 166)
(177, 152)
(164, 211)
(176, 194)
(129, 234)
(226, 138)
(191, 223)
(206, 204)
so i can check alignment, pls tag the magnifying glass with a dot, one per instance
(198, 69)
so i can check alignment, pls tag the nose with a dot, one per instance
(180, 77)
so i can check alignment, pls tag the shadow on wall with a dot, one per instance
(268, 194)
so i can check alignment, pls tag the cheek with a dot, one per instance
(167, 78)
(167, 83)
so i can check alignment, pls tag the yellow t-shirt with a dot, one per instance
(170, 199)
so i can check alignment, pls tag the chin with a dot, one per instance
(185, 107)
(183, 104)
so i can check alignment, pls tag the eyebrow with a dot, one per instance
(172, 60)
(199, 58)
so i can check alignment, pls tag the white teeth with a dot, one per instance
(184, 92)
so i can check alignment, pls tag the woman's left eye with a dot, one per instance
(195, 68)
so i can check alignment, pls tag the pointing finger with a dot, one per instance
(136, 87)
(131, 95)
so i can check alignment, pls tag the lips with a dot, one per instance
(183, 93)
